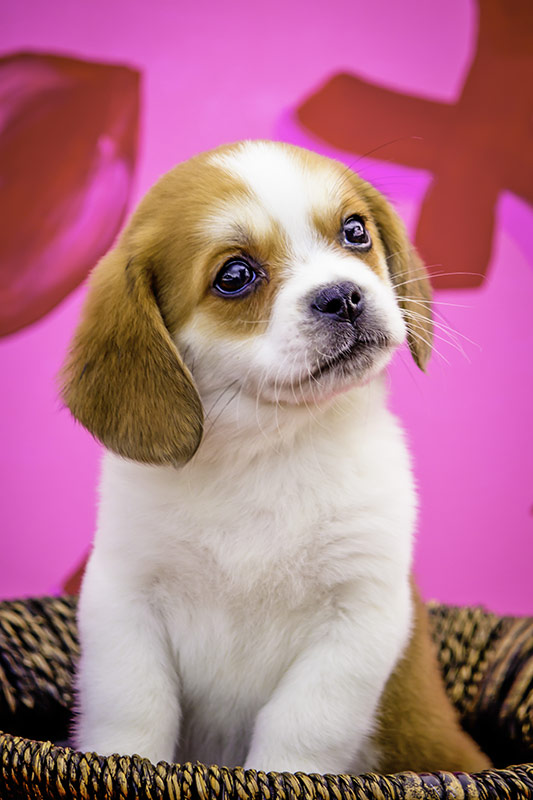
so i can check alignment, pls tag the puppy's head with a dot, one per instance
(260, 269)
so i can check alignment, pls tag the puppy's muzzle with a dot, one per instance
(340, 302)
(347, 332)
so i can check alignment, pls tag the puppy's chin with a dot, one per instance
(331, 376)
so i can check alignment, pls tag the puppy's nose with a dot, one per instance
(342, 301)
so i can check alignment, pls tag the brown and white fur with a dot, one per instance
(248, 599)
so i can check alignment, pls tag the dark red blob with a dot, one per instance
(68, 146)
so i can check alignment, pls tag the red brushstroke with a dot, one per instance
(68, 147)
(475, 148)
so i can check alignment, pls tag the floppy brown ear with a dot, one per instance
(409, 276)
(124, 379)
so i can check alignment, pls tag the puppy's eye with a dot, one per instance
(355, 233)
(235, 277)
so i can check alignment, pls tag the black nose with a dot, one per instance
(342, 301)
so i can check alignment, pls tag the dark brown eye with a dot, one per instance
(235, 277)
(355, 233)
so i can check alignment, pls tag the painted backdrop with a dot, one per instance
(430, 101)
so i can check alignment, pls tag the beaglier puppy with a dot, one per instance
(248, 599)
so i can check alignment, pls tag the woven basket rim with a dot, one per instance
(468, 780)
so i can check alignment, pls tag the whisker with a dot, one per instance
(241, 392)
(408, 249)
(386, 144)
(437, 275)
(276, 393)
(305, 401)
(353, 164)
(414, 329)
(435, 302)
(444, 326)
(253, 321)
(223, 392)
(257, 396)
(451, 343)
(225, 406)
(311, 377)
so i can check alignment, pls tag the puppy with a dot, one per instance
(248, 599)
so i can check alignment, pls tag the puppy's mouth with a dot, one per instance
(349, 358)
(331, 374)
(361, 348)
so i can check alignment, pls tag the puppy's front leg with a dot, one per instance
(127, 686)
(322, 712)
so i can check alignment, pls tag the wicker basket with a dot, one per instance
(487, 662)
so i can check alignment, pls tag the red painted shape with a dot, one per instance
(68, 148)
(475, 148)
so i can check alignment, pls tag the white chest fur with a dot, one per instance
(242, 568)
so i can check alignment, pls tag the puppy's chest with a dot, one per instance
(288, 544)
(263, 570)
(275, 555)
(290, 533)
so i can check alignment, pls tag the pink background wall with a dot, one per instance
(217, 72)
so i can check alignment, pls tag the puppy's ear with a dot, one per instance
(124, 379)
(409, 277)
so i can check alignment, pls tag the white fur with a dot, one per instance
(249, 607)
(281, 188)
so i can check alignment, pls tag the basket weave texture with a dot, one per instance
(487, 664)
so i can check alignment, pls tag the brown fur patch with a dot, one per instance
(419, 729)
(124, 379)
